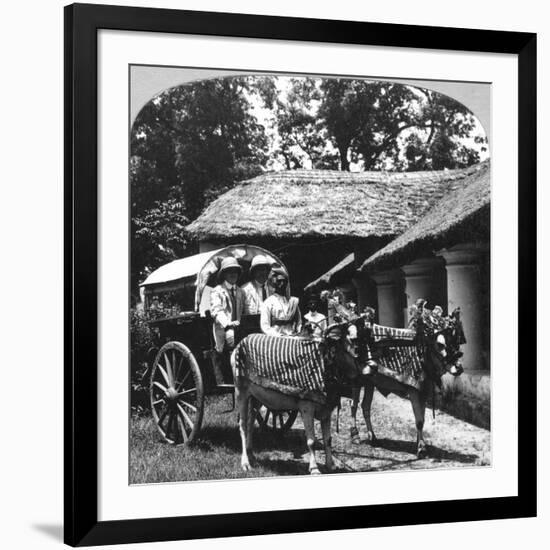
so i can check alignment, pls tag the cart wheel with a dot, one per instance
(177, 393)
(276, 421)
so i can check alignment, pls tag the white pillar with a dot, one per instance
(464, 291)
(418, 282)
(388, 298)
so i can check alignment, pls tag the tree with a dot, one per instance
(192, 139)
(343, 112)
(302, 136)
(381, 125)
(158, 237)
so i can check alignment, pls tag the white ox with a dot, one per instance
(442, 355)
(338, 358)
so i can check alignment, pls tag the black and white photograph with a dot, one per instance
(273, 274)
(309, 275)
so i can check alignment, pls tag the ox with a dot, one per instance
(337, 366)
(439, 338)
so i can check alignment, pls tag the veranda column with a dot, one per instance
(362, 291)
(418, 282)
(464, 291)
(388, 298)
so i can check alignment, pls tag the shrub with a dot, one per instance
(141, 346)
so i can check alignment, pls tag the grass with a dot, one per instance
(215, 453)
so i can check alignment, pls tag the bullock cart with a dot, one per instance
(183, 365)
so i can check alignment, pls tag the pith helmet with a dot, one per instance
(260, 260)
(228, 263)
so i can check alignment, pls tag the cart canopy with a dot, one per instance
(176, 271)
(201, 271)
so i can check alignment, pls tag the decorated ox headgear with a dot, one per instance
(369, 313)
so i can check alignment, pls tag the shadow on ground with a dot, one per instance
(214, 436)
(401, 446)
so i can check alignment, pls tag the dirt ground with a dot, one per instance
(451, 441)
(216, 452)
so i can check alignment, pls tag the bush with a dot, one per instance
(141, 346)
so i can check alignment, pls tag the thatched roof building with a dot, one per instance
(322, 203)
(462, 215)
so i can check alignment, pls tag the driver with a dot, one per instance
(318, 321)
(280, 316)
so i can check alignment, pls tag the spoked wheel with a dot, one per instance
(177, 393)
(275, 421)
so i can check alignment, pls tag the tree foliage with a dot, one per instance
(192, 139)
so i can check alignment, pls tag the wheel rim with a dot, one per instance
(176, 391)
(275, 420)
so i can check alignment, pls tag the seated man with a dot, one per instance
(256, 290)
(226, 307)
(280, 316)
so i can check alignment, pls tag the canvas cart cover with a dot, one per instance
(178, 270)
(288, 364)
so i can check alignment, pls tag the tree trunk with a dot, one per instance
(344, 163)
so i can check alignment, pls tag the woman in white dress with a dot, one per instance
(279, 315)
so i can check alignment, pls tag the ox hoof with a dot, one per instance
(370, 368)
(355, 439)
(371, 438)
(421, 451)
(456, 370)
(315, 471)
(246, 466)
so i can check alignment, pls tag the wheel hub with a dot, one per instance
(171, 394)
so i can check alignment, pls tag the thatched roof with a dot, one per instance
(324, 203)
(460, 216)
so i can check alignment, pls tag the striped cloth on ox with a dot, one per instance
(397, 354)
(288, 364)
(381, 333)
(403, 363)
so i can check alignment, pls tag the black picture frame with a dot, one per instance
(81, 25)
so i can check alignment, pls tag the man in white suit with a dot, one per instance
(256, 290)
(227, 304)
